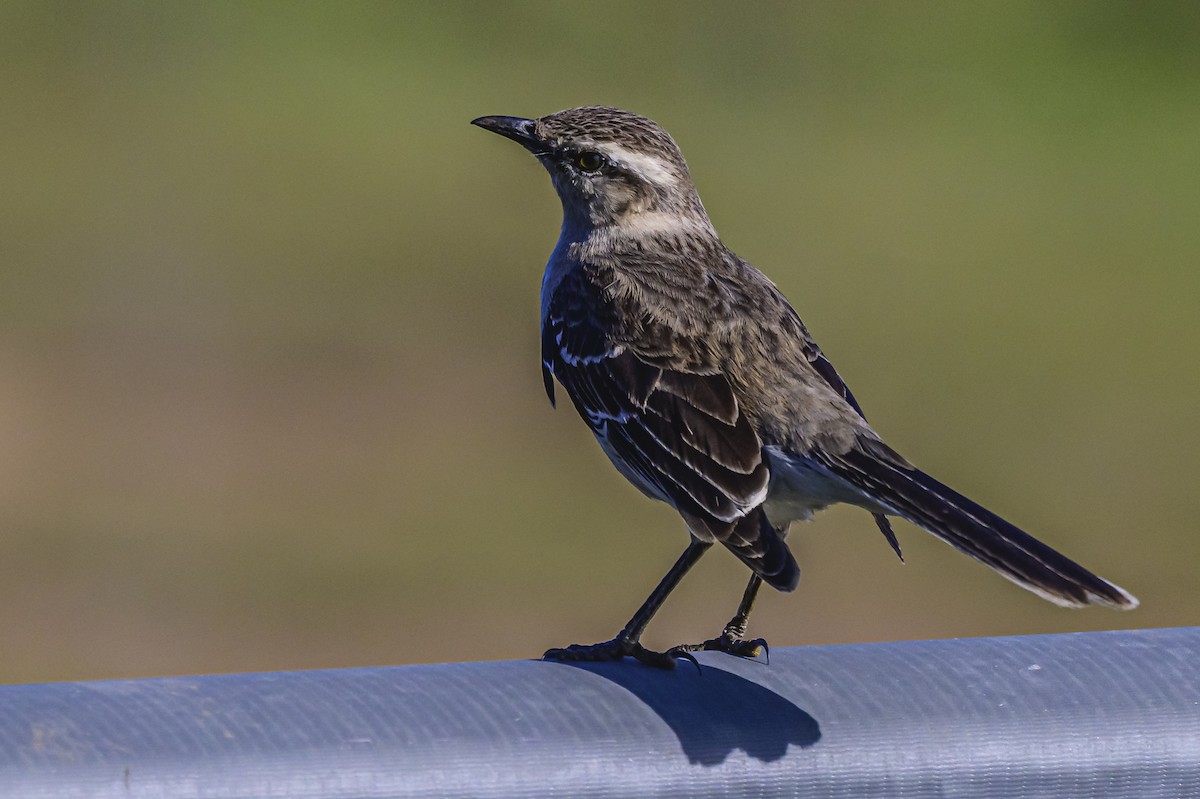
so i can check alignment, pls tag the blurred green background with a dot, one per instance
(269, 385)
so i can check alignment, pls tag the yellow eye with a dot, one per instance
(590, 161)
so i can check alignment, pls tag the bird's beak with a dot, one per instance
(518, 129)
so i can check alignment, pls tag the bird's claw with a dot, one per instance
(732, 646)
(679, 653)
(620, 648)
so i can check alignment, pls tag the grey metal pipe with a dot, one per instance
(1085, 715)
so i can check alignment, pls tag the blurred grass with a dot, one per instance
(269, 394)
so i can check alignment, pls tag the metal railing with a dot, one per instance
(1084, 715)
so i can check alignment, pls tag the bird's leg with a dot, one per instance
(627, 643)
(730, 640)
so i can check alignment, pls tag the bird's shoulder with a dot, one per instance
(686, 304)
(609, 306)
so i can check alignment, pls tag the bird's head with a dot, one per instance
(611, 168)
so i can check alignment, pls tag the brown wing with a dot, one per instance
(680, 436)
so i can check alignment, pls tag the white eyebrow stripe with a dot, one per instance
(648, 167)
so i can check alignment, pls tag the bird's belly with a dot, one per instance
(800, 487)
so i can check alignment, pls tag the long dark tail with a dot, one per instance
(876, 470)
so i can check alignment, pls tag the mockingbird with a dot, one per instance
(706, 391)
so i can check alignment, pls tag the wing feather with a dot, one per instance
(679, 435)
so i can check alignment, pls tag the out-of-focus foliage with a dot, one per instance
(269, 390)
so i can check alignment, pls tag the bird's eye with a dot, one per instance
(590, 161)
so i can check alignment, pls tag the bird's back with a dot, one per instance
(687, 302)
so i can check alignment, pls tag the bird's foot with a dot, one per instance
(732, 645)
(619, 648)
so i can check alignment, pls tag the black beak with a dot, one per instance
(518, 129)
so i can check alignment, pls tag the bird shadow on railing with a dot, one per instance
(713, 712)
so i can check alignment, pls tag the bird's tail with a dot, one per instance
(877, 471)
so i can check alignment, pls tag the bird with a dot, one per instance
(706, 391)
